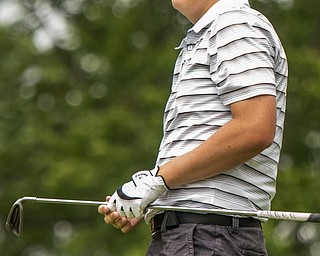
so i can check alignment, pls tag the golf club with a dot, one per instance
(14, 221)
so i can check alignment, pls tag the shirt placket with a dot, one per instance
(189, 51)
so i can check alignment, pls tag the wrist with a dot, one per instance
(155, 173)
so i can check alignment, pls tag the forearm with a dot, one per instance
(227, 148)
(236, 142)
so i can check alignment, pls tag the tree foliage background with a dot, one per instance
(83, 85)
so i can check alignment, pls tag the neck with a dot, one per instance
(193, 17)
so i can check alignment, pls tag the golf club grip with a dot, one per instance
(314, 217)
(296, 216)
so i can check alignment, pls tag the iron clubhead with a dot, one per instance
(14, 221)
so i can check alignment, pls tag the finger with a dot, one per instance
(112, 204)
(120, 223)
(121, 210)
(110, 218)
(130, 213)
(103, 209)
(130, 225)
(127, 227)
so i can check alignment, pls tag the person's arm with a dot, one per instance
(251, 130)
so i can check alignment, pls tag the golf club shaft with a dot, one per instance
(279, 215)
(67, 201)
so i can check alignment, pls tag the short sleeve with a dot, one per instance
(241, 57)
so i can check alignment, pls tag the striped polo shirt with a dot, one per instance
(231, 54)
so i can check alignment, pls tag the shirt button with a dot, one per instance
(190, 47)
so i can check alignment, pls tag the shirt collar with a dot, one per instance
(218, 8)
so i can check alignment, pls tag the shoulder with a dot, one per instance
(241, 22)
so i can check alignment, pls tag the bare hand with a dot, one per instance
(123, 223)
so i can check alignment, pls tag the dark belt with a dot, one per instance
(172, 220)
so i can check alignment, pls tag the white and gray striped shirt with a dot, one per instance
(232, 53)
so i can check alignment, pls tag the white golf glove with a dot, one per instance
(132, 198)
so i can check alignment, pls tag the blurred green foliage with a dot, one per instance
(83, 85)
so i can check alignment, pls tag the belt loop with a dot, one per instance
(164, 222)
(235, 225)
(169, 221)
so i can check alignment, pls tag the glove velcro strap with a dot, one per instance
(124, 196)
